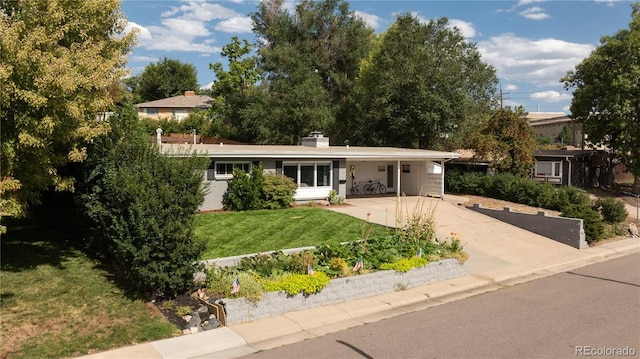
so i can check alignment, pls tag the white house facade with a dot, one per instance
(317, 168)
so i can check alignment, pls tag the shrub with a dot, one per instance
(593, 227)
(298, 283)
(404, 264)
(277, 191)
(334, 198)
(141, 206)
(220, 281)
(244, 190)
(613, 211)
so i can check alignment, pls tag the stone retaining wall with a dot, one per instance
(342, 289)
(565, 230)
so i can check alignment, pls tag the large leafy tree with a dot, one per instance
(58, 60)
(606, 97)
(235, 90)
(506, 140)
(165, 78)
(310, 59)
(421, 86)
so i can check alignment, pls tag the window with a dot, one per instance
(151, 111)
(548, 169)
(224, 170)
(308, 174)
(180, 113)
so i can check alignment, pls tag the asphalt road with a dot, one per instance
(589, 311)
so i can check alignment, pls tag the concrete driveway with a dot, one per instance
(497, 251)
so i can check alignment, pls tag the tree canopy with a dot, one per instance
(310, 59)
(58, 60)
(506, 140)
(234, 90)
(606, 96)
(420, 87)
(165, 78)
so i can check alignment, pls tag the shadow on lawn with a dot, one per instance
(27, 245)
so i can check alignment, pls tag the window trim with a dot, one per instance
(553, 168)
(299, 164)
(212, 171)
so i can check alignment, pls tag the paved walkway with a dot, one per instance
(500, 255)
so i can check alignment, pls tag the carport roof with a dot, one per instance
(306, 152)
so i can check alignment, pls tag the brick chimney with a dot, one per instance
(189, 93)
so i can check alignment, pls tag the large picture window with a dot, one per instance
(548, 169)
(308, 174)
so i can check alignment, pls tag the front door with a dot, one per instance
(391, 175)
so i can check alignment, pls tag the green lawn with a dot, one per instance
(235, 233)
(55, 302)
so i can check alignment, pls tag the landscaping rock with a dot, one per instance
(194, 321)
(203, 311)
(211, 324)
(633, 230)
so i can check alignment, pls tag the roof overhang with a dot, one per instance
(305, 152)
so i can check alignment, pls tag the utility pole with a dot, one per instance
(502, 96)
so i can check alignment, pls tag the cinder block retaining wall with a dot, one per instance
(564, 230)
(343, 289)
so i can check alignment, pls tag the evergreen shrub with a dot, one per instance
(613, 211)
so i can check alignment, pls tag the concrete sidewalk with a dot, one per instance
(500, 255)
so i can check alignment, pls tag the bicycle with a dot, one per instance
(357, 188)
(375, 186)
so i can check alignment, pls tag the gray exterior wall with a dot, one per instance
(564, 230)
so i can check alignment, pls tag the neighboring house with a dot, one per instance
(178, 107)
(550, 125)
(317, 168)
(579, 168)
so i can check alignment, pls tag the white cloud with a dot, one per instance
(201, 11)
(527, 2)
(567, 108)
(143, 59)
(550, 96)
(143, 32)
(466, 28)
(511, 87)
(207, 86)
(183, 27)
(541, 62)
(236, 25)
(372, 20)
(609, 3)
(534, 13)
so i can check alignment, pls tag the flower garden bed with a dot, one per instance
(343, 289)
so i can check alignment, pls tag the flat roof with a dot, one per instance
(306, 152)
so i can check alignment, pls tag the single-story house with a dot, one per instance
(579, 168)
(177, 107)
(317, 168)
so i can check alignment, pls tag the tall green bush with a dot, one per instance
(592, 225)
(142, 206)
(613, 211)
(244, 190)
(277, 191)
(258, 191)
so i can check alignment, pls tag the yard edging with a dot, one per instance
(340, 290)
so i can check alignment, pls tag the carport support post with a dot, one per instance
(442, 184)
(398, 181)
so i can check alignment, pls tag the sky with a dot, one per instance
(531, 43)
